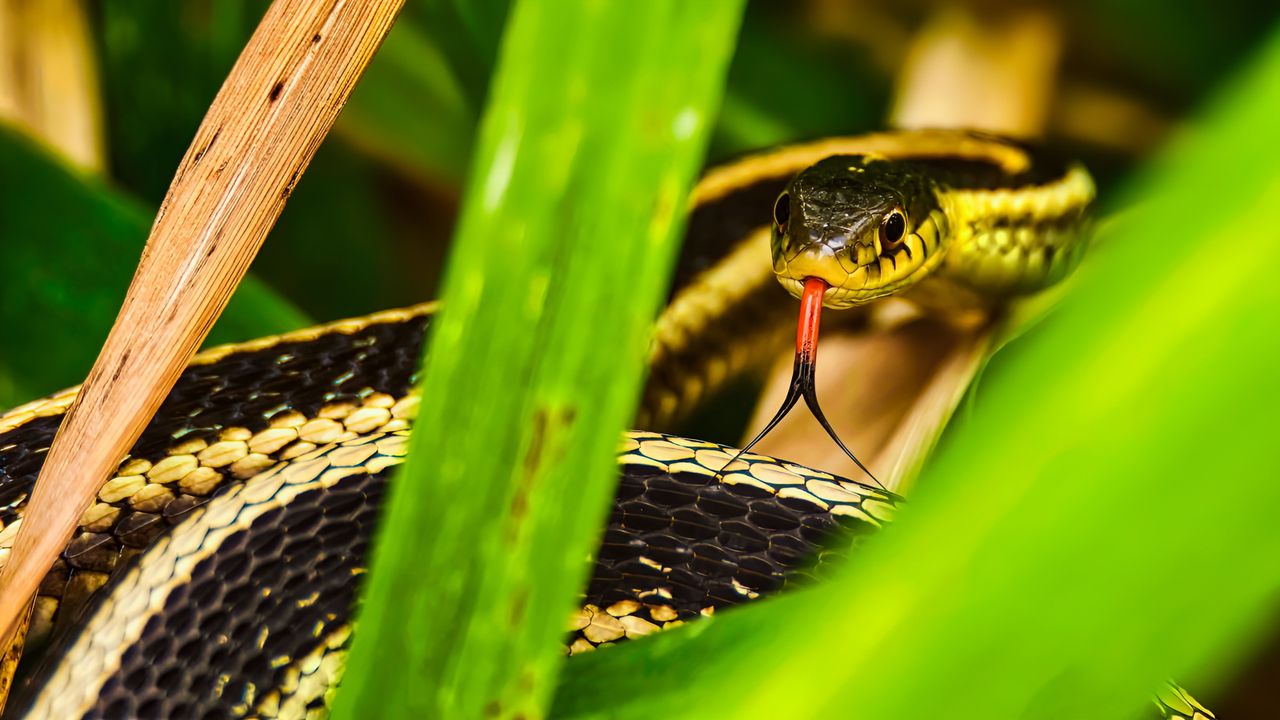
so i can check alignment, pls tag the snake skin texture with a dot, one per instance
(236, 597)
(269, 392)
(266, 570)
(680, 542)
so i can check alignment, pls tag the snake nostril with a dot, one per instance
(791, 249)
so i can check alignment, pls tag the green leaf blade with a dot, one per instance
(564, 247)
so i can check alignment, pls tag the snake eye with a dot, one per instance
(892, 229)
(782, 211)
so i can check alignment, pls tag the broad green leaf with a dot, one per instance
(1104, 521)
(569, 226)
(70, 244)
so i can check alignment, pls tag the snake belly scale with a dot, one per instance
(214, 576)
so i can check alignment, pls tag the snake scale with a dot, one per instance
(215, 575)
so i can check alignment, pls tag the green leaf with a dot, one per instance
(786, 85)
(467, 32)
(567, 234)
(70, 245)
(1106, 520)
(160, 70)
(410, 110)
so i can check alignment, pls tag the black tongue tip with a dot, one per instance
(811, 399)
(803, 375)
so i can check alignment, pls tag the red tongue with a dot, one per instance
(810, 314)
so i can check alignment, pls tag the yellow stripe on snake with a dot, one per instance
(216, 573)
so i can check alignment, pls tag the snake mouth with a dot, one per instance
(850, 284)
(823, 263)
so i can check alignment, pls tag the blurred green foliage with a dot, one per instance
(784, 85)
(1180, 51)
(70, 245)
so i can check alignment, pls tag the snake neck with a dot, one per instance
(1014, 241)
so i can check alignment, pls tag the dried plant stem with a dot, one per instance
(275, 107)
(969, 69)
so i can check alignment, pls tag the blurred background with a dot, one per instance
(99, 100)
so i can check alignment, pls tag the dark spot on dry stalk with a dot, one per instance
(288, 188)
(275, 91)
(124, 360)
(204, 150)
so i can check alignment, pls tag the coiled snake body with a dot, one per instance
(215, 574)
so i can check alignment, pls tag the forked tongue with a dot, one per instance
(803, 373)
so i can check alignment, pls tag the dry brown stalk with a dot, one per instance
(992, 71)
(271, 114)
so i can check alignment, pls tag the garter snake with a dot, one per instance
(213, 576)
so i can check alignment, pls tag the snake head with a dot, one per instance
(868, 227)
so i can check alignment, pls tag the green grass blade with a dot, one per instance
(467, 32)
(410, 71)
(564, 246)
(1106, 520)
(70, 245)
